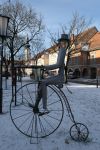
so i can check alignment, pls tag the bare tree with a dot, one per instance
(23, 20)
(77, 25)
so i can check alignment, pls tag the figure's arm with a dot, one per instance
(52, 67)
(60, 60)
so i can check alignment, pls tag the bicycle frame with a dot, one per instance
(65, 100)
(80, 129)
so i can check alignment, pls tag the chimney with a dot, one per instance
(72, 38)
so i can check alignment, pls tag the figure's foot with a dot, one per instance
(35, 109)
(30, 105)
(43, 112)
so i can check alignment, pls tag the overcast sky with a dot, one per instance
(59, 12)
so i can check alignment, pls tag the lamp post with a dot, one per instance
(3, 34)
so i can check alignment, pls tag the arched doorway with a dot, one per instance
(77, 73)
(85, 72)
(93, 73)
(70, 70)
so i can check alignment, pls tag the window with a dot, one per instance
(93, 60)
(76, 60)
(70, 61)
(85, 47)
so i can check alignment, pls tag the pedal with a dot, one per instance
(43, 113)
(30, 105)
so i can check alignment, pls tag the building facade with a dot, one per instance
(85, 57)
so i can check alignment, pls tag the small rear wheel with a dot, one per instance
(79, 132)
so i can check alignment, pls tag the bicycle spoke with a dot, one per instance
(53, 117)
(24, 98)
(21, 109)
(41, 126)
(58, 110)
(50, 94)
(30, 95)
(36, 126)
(24, 121)
(30, 125)
(48, 123)
(54, 102)
(21, 115)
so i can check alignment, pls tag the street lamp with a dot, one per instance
(3, 34)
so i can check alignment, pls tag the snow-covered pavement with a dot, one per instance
(85, 104)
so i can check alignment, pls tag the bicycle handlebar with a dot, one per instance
(29, 66)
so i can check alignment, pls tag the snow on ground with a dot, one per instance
(85, 104)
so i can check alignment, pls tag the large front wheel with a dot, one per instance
(31, 123)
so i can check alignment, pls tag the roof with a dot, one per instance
(86, 35)
(83, 37)
(94, 42)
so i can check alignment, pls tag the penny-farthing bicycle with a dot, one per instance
(37, 124)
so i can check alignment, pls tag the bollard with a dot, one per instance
(97, 83)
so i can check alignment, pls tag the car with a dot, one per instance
(6, 74)
(71, 75)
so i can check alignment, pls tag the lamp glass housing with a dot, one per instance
(3, 25)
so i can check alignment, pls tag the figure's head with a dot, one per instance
(64, 41)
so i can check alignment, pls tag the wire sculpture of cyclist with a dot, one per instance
(58, 79)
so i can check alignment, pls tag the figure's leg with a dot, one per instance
(44, 95)
(39, 95)
(55, 80)
(43, 89)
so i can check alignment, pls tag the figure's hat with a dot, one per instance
(64, 37)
